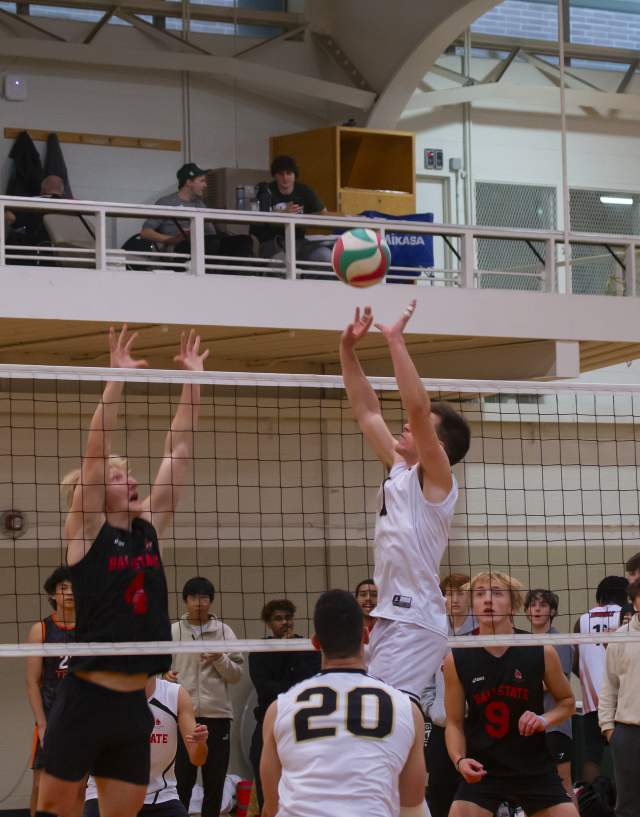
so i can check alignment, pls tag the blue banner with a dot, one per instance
(407, 249)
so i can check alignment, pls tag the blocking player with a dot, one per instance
(366, 594)
(321, 730)
(100, 722)
(415, 509)
(500, 750)
(172, 710)
(45, 674)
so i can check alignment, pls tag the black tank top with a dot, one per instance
(498, 691)
(120, 592)
(54, 667)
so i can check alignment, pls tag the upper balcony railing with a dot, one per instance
(90, 234)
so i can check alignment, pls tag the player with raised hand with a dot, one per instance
(100, 722)
(415, 509)
(496, 723)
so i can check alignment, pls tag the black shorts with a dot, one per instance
(172, 808)
(594, 740)
(560, 747)
(92, 729)
(533, 793)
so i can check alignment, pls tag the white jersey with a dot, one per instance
(592, 656)
(410, 538)
(343, 738)
(164, 743)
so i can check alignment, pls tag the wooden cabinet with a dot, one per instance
(355, 169)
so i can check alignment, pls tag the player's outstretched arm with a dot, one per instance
(178, 446)
(363, 399)
(33, 678)
(193, 734)
(454, 704)
(415, 400)
(413, 777)
(270, 766)
(559, 687)
(86, 514)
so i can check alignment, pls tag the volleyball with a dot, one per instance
(361, 257)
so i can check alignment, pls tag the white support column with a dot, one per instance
(549, 283)
(197, 245)
(101, 240)
(290, 248)
(467, 262)
(630, 269)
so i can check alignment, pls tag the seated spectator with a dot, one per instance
(589, 662)
(174, 235)
(619, 712)
(275, 672)
(541, 607)
(206, 678)
(443, 777)
(27, 227)
(366, 594)
(632, 568)
(287, 195)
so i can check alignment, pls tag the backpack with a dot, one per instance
(597, 799)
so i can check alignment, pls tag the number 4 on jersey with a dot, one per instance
(136, 596)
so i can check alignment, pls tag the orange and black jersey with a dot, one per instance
(54, 667)
(498, 691)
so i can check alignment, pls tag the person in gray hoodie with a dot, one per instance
(206, 677)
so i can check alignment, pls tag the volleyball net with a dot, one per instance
(280, 497)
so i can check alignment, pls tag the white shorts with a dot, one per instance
(406, 656)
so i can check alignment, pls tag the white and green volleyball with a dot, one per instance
(361, 257)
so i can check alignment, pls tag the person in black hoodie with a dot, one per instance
(275, 672)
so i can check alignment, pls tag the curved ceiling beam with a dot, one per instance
(392, 101)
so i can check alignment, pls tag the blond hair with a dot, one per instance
(71, 480)
(503, 580)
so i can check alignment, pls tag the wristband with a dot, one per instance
(459, 761)
(544, 721)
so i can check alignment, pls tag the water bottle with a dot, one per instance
(240, 198)
(263, 196)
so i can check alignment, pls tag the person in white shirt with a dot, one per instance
(415, 509)
(619, 711)
(342, 742)
(206, 677)
(589, 660)
(172, 710)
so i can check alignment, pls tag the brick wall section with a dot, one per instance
(518, 18)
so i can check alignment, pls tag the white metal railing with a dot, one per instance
(549, 271)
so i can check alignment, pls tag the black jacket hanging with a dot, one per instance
(26, 174)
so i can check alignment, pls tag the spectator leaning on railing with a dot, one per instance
(619, 711)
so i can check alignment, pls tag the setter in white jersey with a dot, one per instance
(321, 730)
(172, 709)
(415, 509)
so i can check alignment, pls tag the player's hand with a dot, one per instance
(189, 356)
(608, 734)
(171, 676)
(396, 329)
(42, 728)
(472, 770)
(199, 735)
(355, 331)
(530, 723)
(120, 350)
(211, 657)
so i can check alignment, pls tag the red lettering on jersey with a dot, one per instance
(136, 596)
(157, 737)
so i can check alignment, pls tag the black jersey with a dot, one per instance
(498, 692)
(54, 667)
(120, 592)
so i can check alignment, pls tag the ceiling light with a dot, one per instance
(615, 200)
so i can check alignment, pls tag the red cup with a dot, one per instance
(243, 797)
